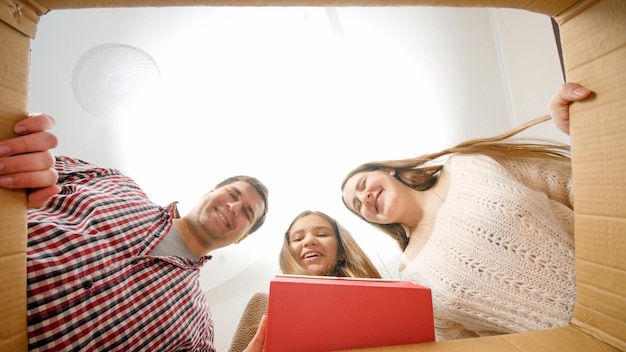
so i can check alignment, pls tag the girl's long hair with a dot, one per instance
(422, 172)
(352, 260)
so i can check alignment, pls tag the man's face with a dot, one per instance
(225, 215)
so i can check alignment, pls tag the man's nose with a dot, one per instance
(235, 207)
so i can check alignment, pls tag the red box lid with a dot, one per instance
(318, 313)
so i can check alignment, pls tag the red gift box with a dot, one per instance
(316, 313)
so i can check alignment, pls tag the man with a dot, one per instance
(108, 269)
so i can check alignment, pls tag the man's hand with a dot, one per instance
(27, 162)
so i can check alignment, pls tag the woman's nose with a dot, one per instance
(365, 198)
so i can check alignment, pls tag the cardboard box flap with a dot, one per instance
(14, 65)
(598, 31)
(594, 50)
(550, 8)
(555, 340)
(22, 16)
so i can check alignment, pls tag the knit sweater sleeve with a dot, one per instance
(551, 177)
(500, 258)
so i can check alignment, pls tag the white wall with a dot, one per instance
(296, 97)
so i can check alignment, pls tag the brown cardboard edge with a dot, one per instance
(550, 8)
(21, 15)
(463, 345)
(574, 10)
(564, 339)
(15, 58)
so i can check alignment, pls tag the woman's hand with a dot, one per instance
(257, 342)
(559, 105)
(26, 161)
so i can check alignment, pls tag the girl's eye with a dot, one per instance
(358, 205)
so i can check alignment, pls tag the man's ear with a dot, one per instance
(242, 238)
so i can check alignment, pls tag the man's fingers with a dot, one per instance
(35, 142)
(34, 123)
(26, 162)
(38, 197)
(34, 179)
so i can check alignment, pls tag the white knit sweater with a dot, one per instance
(501, 255)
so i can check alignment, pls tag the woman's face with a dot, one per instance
(376, 195)
(314, 245)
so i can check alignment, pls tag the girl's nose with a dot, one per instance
(310, 240)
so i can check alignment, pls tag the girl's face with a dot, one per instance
(377, 196)
(314, 245)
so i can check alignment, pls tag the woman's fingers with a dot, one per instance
(559, 104)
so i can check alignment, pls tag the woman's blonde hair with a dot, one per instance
(421, 174)
(352, 261)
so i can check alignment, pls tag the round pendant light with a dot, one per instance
(110, 79)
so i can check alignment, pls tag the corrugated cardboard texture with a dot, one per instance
(594, 43)
(562, 339)
(22, 16)
(14, 59)
(593, 35)
(549, 7)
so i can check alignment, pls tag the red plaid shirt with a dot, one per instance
(92, 284)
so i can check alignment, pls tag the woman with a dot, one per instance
(487, 225)
(314, 244)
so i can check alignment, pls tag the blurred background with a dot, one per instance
(180, 98)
